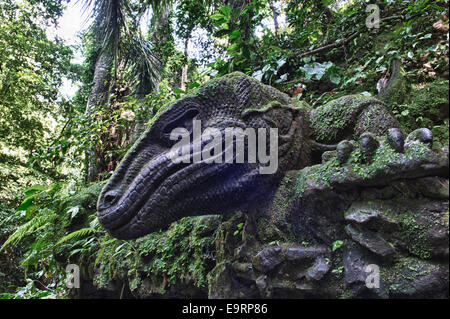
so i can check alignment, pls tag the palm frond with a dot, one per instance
(143, 63)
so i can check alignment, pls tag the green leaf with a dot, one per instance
(43, 294)
(426, 36)
(193, 85)
(258, 75)
(282, 78)
(233, 47)
(226, 10)
(25, 204)
(337, 244)
(77, 234)
(281, 62)
(217, 16)
(235, 34)
(73, 211)
(335, 78)
(94, 223)
(178, 91)
(35, 189)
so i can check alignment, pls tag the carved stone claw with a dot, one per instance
(422, 135)
(368, 144)
(344, 149)
(396, 139)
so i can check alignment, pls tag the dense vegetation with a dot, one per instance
(55, 151)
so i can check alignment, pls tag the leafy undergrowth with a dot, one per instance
(58, 226)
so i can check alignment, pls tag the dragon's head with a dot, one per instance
(153, 186)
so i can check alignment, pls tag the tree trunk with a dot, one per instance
(275, 17)
(184, 71)
(99, 95)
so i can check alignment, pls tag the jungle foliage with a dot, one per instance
(56, 151)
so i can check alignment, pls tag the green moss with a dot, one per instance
(427, 107)
(316, 175)
(440, 133)
(329, 120)
(413, 234)
(183, 253)
(226, 241)
(401, 277)
(445, 219)
(416, 150)
(302, 105)
(383, 156)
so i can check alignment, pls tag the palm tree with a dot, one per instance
(116, 32)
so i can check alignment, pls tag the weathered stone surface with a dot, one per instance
(415, 278)
(299, 253)
(354, 266)
(432, 187)
(268, 259)
(372, 241)
(318, 270)
(385, 204)
(362, 213)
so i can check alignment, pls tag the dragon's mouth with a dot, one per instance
(165, 190)
(166, 205)
(156, 189)
(127, 207)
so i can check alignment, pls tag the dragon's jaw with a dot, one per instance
(164, 192)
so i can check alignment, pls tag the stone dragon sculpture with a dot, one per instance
(327, 157)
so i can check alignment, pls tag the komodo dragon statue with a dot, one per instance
(328, 160)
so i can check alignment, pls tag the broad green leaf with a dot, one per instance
(258, 75)
(217, 16)
(335, 78)
(35, 189)
(226, 10)
(25, 204)
(235, 34)
(178, 91)
(194, 85)
(73, 211)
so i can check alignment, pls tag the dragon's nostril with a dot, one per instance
(110, 198)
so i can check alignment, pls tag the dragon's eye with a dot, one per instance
(182, 121)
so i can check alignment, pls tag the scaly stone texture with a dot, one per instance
(352, 190)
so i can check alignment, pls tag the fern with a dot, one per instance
(28, 228)
(77, 234)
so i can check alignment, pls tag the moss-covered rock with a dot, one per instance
(171, 263)
(349, 117)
